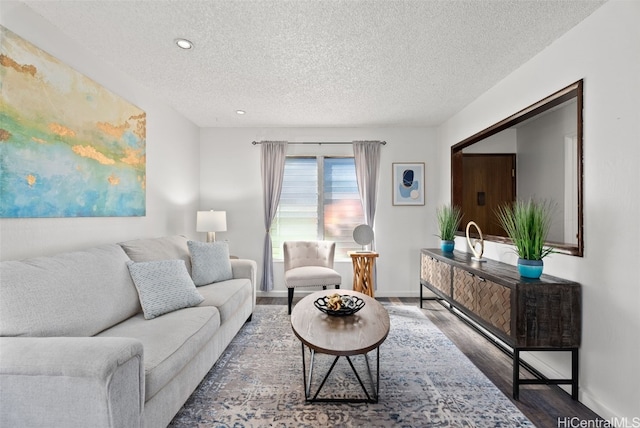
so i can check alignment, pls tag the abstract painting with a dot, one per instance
(68, 146)
(408, 183)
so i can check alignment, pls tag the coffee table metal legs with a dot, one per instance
(370, 397)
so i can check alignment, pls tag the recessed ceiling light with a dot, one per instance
(240, 111)
(184, 43)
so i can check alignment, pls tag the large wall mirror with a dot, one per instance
(535, 153)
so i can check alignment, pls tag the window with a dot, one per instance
(319, 201)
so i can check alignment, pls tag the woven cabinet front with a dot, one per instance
(494, 304)
(437, 273)
(464, 288)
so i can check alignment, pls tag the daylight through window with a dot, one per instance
(319, 201)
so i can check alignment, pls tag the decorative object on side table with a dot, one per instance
(477, 254)
(363, 235)
(527, 225)
(449, 217)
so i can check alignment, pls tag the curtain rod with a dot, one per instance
(319, 142)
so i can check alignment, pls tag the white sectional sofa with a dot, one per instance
(76, 348)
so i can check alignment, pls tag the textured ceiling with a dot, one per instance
(316, 63)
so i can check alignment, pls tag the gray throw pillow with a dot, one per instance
(163, 286)
(209, 262)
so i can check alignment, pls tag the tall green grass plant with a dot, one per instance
(527, 223)
(449, 217)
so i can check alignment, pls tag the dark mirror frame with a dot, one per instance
(572, 91)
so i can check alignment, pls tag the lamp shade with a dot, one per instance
(211, 221)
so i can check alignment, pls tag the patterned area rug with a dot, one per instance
(425, 381)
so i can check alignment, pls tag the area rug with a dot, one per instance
(425, 381)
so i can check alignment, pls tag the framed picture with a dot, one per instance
(69, 146)
(408, 183)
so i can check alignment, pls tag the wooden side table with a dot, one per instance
(363, 263)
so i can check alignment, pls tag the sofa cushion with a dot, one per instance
(227, 296)
(166, 248)
(170, 342)
(163, 286)
(209, 262)
(70, 294)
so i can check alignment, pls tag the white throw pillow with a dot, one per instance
(163, 286)
(209, 262)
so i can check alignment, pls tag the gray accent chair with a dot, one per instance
(309, 264)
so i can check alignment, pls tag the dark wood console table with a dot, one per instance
(526, 314)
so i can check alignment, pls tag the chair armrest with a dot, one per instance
(71, 381)
(245, 268)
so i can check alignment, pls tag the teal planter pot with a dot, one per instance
(530, 268)
(447, 246)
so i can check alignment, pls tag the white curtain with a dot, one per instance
(367, 160)
(272, 158)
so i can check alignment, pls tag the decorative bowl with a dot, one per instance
(350, 305)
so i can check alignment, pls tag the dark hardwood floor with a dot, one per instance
(544, 405)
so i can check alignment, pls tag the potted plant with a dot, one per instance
(527, 224)
(449, 217)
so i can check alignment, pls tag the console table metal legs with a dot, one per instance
(371, 397)
(541, 380)
(422, 299)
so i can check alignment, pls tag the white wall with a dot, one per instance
(603, 50)
(503, 142)
(230, 180)
(541, 143)
(172, 159)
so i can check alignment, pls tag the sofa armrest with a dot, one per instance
(71, 381)
(245, 268)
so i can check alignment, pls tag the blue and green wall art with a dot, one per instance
(68, 146)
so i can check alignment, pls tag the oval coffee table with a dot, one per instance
(342, 336)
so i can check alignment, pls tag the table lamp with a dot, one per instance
(211, 222)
